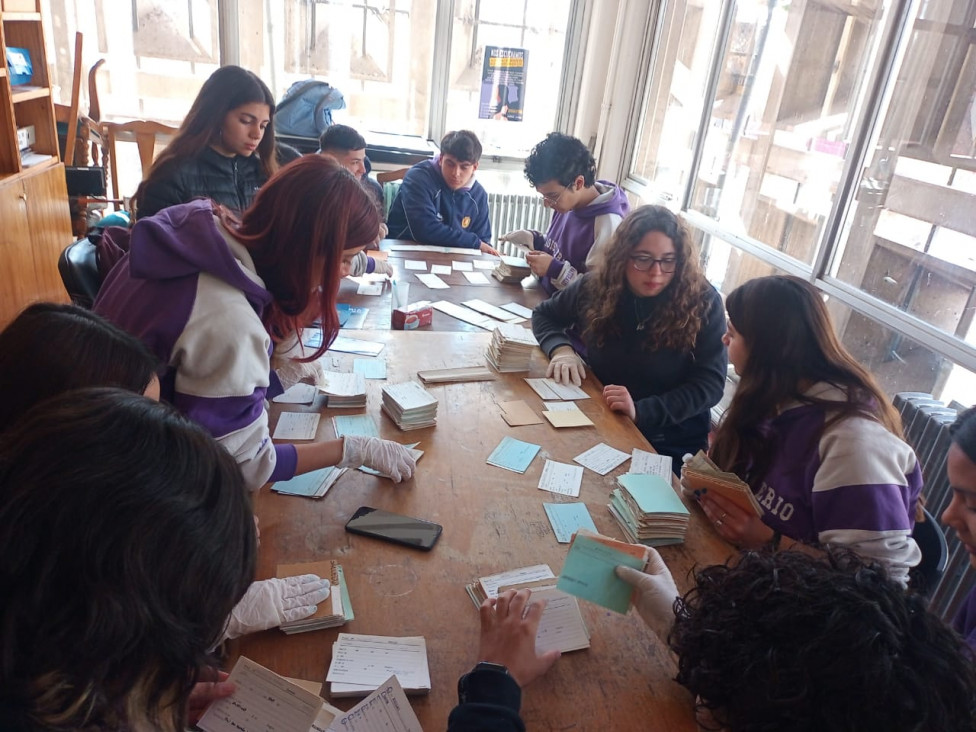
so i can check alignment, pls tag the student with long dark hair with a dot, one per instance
(651, 328)
(960, 514)
(224, 150)
(210, 296)
(812, 433)
(119, 564)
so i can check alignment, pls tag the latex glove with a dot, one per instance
(655, 594)
(565, 366)
(271, 602)
(290, 372)
(520, 238)
(389, 458)
(685, 459)
(381, 266)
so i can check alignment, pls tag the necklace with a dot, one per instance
(641, 320)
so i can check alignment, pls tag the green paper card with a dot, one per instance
(588, 573)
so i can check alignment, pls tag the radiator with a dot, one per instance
(926, 422)
(509, 212)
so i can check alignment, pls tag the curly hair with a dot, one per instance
(790, 342)
(791, 642)
(562, 158)
(680, 317)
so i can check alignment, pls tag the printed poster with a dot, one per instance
(503, 83)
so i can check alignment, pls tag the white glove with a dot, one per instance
(384, 230)
(389, 458)
(522, 238)
(381, 266)
(655, 594)
(290, 372)
(566, 366)
(685, 459)
(269, 603)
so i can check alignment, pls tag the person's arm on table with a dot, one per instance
(417, 194)
(482, 223)
(490, 695)
(550, 321)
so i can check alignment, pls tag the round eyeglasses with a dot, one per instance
(643, 264)
(553, 198)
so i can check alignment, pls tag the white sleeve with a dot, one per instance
(603, 228)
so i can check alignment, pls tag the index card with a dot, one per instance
(601, 458)
(370, 368)
(518, 413)
(385, 710)
(492, 311)
(415, 264)
(263, 702)
(561, 478)
(311, 485)
(589, 573)
(351, 317)
(344, 344)
(369, 660)
(462, 313)
(433, 282)
(520, 310)
(512, 454)
(561, 626)
(548, 390)
(312, 337)
(492, 582)
(341, 383)
(650, 463)
(460, 266)
(370, 288)
(296, 426)
(485, 264)
(568, 418)
(567, 518)
(559, 406)
(355, 424)
(297, 394)
(441, 269)
(476, 278)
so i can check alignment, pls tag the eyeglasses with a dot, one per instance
(553, 198)
(643, 264)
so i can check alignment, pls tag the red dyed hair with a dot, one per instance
(296, 230)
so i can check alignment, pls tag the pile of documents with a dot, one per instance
(334, 611)
(511, 269)
(409, 405)
(313, 484)
(360, 663)
(648, 510)
(345, 391)
(700, 473)
(456, 375)
(561, 627)
(511, 348)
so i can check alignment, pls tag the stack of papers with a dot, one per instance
(700, 473)
(590, 569)
(550, 390)
(310, 485)
(561, 627)
(648, 510)
(511, 269)
(409, 405)
(361, 663)
(345, 391)
(450, 376)
(334, 611)
(511, 348)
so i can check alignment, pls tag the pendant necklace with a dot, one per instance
(641, 322)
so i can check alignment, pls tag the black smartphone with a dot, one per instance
(379, 524)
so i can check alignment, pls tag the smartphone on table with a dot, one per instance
(394, 527)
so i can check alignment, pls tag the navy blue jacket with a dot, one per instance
(427, 211)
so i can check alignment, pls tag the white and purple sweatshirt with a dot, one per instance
(190, 292)
(856, 485)
(577, 239)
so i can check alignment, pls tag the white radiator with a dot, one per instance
(510, 212)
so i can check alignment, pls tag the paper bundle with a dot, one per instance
(345, 391)
(409, 405)
(511, 269)
(648, 510)
(361, 663)
(334, 611)
(700, 473)
(511, 348)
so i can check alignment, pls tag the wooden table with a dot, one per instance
(529, 293)
(493, 521)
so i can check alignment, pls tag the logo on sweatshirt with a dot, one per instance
(465, 222)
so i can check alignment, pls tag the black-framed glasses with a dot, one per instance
(642, 263)
(553, 198)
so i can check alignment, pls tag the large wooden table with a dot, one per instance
(493, 521)
(528, 293)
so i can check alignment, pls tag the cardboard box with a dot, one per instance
(415, 315)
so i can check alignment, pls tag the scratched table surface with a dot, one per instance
(493, 521)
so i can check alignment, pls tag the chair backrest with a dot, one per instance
(388, 176)
(78, 266)
(145, 133)
(67, 114)
(929, 536)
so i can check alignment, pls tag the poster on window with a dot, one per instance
(503, 83)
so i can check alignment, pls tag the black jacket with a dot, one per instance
(232, 182)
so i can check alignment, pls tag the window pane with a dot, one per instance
(910, 239)
(540, 28)
(673, 102)
(782, 120)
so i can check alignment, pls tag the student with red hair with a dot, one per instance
(211, 296)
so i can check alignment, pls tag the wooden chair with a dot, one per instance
(147, 134)
(388, 176)
(67, 114)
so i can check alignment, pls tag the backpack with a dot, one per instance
(306, 108)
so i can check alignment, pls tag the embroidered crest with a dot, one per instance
(465, 222)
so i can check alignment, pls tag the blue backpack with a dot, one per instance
(306, 108)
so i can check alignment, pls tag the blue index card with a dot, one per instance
(343, 310)
(312, 337)
(652, 494)
(355, 424)
(370, 368)
(588, 574)
(306, 484)
(566, 518)
(344, 589)
(512, 454)
(351, 316)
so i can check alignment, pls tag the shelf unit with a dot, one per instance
(33, 199)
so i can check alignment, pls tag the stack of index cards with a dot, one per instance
(511, 269)
(648, 510)
(511, 348)
(409, 405)
(345, 391)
